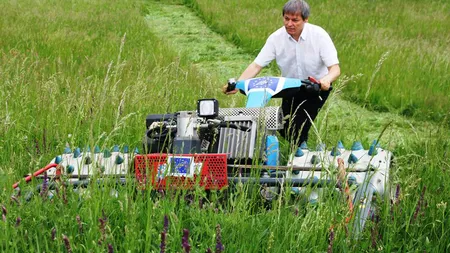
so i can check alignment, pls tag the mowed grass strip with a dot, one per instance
(414, 77)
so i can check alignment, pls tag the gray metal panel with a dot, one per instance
(271, 116)
(236, 143)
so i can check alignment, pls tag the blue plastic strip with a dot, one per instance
(272, 150)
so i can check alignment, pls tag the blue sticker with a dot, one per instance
(264, 82)
(180, 165)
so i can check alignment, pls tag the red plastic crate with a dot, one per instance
(182, 171)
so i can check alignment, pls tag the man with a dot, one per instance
(300, 50)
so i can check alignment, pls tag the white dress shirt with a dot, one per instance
(309, 56)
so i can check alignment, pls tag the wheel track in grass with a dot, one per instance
(219, 60)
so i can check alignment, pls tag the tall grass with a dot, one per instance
(87, 73)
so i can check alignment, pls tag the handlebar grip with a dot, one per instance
(231, 84)
(312, 79)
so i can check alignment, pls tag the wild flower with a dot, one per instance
(64, 194)
(4, 213)
(102, 227)
(44, 188)
(18, 220)
(420, 204)
(162, 246)
(395, 201)
(397, 194)
(330, 241)
(166, 223)
(80, 224)
(164, 234)
(219, 245)
(110, 248)
(208, 250)
(185, 241)
(67, 243)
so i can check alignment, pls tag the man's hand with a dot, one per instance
(224, 90)
(324, 84)
(333, 73)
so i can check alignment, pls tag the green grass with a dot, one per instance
(87, 73)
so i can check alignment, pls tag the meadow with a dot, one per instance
(86, 73)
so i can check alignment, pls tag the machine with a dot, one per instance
(214, 147)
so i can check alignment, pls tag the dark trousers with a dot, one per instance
(296, 128)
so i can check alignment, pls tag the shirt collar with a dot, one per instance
(303, 35)
(305, 32)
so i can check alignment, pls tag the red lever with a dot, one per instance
(312, 79)
(37, 173)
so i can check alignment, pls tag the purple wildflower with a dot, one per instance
(330, 241)
(419, 203)
(208, 250)
(373, 236)
(296, 211)
(166, 224)
(219, 245)
(102, 227)
(67, 243)
(18, 220)
(110, 248)
(185, 241)
(163, 242)
(44, 188)
(4, 213)
(397, 194)
(64, 194)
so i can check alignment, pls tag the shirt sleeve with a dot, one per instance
(328, 51)
(267, 53)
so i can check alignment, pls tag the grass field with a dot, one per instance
(85, 73)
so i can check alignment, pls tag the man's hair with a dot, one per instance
(300, 7)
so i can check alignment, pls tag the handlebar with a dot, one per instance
(260, 90)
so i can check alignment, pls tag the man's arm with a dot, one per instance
(250, 72)
(334, 72)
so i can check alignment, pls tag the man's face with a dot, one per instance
(294, 24)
